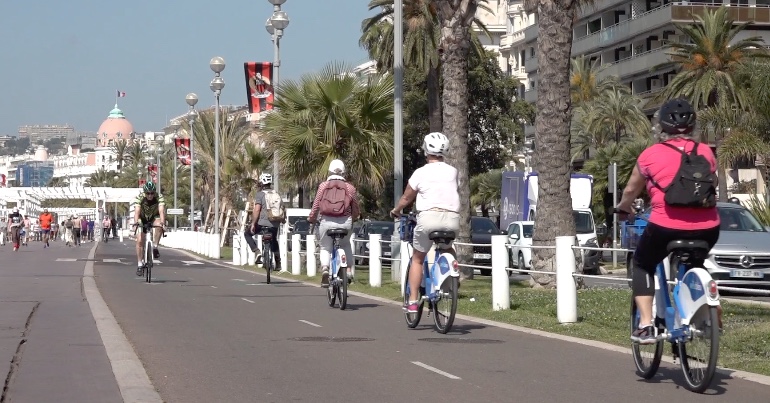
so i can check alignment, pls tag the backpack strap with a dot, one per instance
(675, 148)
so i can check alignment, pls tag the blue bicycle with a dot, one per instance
(440, 281)
(338, 270)
(686, 319)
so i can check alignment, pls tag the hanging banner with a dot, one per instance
(142, 182)
(153, 171)
(259, 88)
(183, 150)
(2, 180)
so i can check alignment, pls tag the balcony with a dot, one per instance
(636, 64)
(530, 95)
(530, 33)
(530, 65)
(756, 15)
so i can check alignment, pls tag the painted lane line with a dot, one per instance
(436, 370)
(66, 259)
(239, 279)
(213, 286)
(111, 261)
(310, 323)
(248, 300)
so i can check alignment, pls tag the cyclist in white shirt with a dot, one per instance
(434, 187)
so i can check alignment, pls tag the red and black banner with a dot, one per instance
(183, 150)
(259, 87)
(152, 169)
(142, 182)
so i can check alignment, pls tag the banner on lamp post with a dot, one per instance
(259, 89)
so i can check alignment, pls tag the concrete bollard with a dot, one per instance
(283, 251)
(501, 288)
(296, 261)
(237, 238)
(566, 288)
(120, 235)
(310, 256)
(404, 264)
(216, 251)
(395, 254)
(375, 264)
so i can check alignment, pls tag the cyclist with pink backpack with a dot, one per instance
(335, 206)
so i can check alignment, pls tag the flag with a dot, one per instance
(121, 94)
(183, 150)
(259, 87)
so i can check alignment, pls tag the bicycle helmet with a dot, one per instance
(265, 179)
(337, 167)
(435, 144)
(149, 187)
(677, 116)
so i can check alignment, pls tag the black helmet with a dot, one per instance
(677, 117)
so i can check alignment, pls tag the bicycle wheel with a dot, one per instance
(646, 356)
(331, 290)
(704, 330)
(267, 260)
(342, 289)
(148, 262)
(412, 319)
(444, 316)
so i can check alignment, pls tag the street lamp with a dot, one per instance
(217, 65)
(175, 125)
(191, 100)
(275, 26)
(398, 100)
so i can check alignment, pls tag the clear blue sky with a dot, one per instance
(63, 60)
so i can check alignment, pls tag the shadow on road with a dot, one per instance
(674, 375)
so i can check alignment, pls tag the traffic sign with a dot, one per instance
(175, 211)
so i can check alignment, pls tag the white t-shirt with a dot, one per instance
(436, 186)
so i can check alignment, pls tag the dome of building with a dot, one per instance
(115, 127)
(41, 153)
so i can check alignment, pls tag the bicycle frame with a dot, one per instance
(336, 261)
(693, 289)
(444, 264)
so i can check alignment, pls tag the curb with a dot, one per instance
(731, 373)
(132, 379)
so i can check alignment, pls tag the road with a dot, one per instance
(207, 333)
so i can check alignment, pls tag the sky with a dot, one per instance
(63, 61)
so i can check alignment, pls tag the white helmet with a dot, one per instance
(337, 167)
(265, 179)
(15, 209)
(435, 144)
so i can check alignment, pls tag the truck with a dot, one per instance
(519, 198)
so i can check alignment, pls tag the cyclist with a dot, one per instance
(106, 225)
(268, 213)
(26, 229)
(335, 191)
(654, 168)
(150, 209)
(434, 187)
(16, 222)
(45, 219)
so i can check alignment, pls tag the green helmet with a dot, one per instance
(149, 187)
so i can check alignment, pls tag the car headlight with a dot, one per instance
(366, 245)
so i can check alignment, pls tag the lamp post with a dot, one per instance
(398, 92)
(191, 100)
(175, 126)
(217, 65)
(160, 141)
(275, 26)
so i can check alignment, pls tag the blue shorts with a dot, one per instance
(45, 230)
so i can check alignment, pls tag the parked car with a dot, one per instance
(301, 227)
(741, 256)
(520, 236)
(384, 228)
(482, 229)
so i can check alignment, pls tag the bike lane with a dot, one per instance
(209, 333)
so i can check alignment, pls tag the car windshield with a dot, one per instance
(738, 219)
(385, 229)
(528, 230)
(584, 223)
(483, 226)
(301, 225)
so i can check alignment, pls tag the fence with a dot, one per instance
(565, 263)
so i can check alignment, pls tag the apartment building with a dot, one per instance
(41, 133)
(627, 36)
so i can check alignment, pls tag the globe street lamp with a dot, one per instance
(175, 125)
(275, 26)
(217, 65)
(191, 100)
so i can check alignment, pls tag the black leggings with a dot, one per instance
(651, 250)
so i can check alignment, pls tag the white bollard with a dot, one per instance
(237, 245)
(216, 251)
(296, 260)
(501, 288)
(310, 256)
(395, 254)
(404, 265)
(566, 288)
(375, 264)
(120, 234)
(283, 252)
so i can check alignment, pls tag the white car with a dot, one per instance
(520, 241)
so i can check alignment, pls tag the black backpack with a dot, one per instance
(694, 184)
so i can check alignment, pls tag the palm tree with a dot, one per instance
(485, 190)
(120, 149)
(135, 153)
(618, 113)
(101, 178)
(585, 84)
(58, 182)
(330, 115)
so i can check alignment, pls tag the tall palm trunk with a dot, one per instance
(721, 168)
(456, 17)
(434, 98)
(552, 152)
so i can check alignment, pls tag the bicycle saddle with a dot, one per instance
(689, 248)
(442, 236)
(337, 232)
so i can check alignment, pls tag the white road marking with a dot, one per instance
(248, 300)
(310, 323)
(189, 262)
(111, 261)
(213, 286)
(239, 279)
(436, 370)
(66, 259)
(256, 284)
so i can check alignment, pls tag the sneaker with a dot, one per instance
(277, 266)
(412, 306)
(259, 259)
(140, 271)
(645, 335)
(325, 279)
(155, 253)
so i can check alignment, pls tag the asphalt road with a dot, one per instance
(211, 334)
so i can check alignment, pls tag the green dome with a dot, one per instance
(116, 113)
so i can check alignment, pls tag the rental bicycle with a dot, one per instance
(685, 314)
(440, 281)
(147, 262)
(338, 275)
(267, 251)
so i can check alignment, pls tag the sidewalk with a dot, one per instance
(50, 347)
